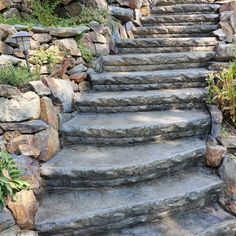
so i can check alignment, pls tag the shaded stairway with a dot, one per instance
(132, 163)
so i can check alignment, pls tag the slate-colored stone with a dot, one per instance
(6, 220)
(28, 127)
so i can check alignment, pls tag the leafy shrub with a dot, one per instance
(222, 91)
(16, 75)
(85, 52)
(10, 178)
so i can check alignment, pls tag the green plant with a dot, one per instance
(10, 178)
(222, 91)
(16, 75)
(85, 52)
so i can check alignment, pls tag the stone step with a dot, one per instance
(133, 101)
(127, 128)
(208, 220)
(170, 2)
(180, 18)
(166, 30)
(146, 80)
(160, 45)
(186, 8)
(94, 211)
(156, 61)
(116, 165)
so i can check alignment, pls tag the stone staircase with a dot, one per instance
(132, 162)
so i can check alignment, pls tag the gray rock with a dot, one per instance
(68, 44)
(95, 211)
(20, 108)
(12, 12)
(6, 220)
(27, 233)
(225, 52)
(123, 14)
(131, 101)
(38, 87)
(42, 38)
(28, 127)
(5, 4)
(63, 32)
(111, 166)
(134, 127)
(8, 91)
(78, 69)
(8, 59)
(211, 220)
(11, 231)
(5, 48)
(62, 91)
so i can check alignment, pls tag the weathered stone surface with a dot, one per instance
(48, 143)
(5, 4)
(37, 87)
(228, 174)
(134, 127)
(68, 44)
(12, 231)
(30, 170)
(8, 91)
(225, 52)
(123, 14)
(227, 31)
(49, 113)
(78, 69)
(111, 170)
(24, 209)
(27, 233)
(12, 12)
(78, 78)
(5, 48)
(28, 127)
(28, 150)
(6, 30)
(63, 32)
(101, 49)
(215, 155)
(101, 209)
(11, 109)
(62, 91)
(209, 220)
(42, 38)
(6, 220)
(140, 100)
(229, 6)
(228, 142)
(97, 3)
(13, 145)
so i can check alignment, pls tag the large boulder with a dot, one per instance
(62, 91)
(225, 52)
(68, 44)
(20, 108)
(24, 208)
(48, 143)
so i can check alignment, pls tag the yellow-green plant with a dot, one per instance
(11, 181)
(16, 75)
(222, 91)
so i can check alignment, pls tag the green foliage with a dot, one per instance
(89, 14)
(222, 91)
(10, 178)
(85, 52)
(16, 75)
(45, 14)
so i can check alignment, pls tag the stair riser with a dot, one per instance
(155, 67)
(163, 50)
(191, 131)
(169, 2)
(142, 87)
(124, 176)
(158, 59)
(196, 29)
(146, 212)
(180, 18)
(186, 8)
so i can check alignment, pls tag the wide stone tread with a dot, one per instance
(171, 42)
(114, 165)
(132, 101)
(157, 58)
(124, 128)
(170, 2)
(150, 77)
(90, 212)
(169, 29)
(210, 220)
(174, 18)
(186, 8)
